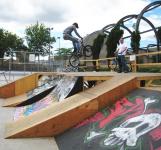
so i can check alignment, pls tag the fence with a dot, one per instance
(55, 64)
(139, 61)
(23, 63)
(28, 62)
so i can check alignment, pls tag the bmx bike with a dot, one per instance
(85, 50)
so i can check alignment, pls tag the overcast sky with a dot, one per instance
(91, 15)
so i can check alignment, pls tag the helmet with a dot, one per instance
(76, 25)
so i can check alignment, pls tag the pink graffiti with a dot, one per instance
(97, 117)
(159, 148)
(120, 108)
(123, 107)
(156, 134)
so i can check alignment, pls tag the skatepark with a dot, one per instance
(54, 121)
(78, 109)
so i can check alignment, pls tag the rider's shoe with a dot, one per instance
(78, 53)
(126, 71)
(119, 71)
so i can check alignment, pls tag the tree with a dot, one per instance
(97, 45)
(113, 39)
(39, 39)
(64, 51)
(9, 42)
(159, 34)
(135, 41)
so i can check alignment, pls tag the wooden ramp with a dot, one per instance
(23, 99)
(19, 86)
(14, 101)
(59, 117)
(22, 85)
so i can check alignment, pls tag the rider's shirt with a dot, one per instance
(122, 49)
(70, 29)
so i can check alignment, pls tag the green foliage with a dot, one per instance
(159, 34)
(135, 41)
(39, 39)
(150, 69)
(112, 40)
(97, 45)
(9, 42)
(63, 51)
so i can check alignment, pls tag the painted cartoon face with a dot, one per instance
(132, 129)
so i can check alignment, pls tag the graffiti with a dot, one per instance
(64, 85)
(132, 129)
(21, 112)
(125, 124)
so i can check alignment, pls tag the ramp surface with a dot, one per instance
(59, 117)
(21, 144)
(27, 98)
(65, 87)
(132, 123)
(47, 86)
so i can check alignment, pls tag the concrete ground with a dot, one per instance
(6, 115)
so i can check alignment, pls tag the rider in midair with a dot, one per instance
(67, 35)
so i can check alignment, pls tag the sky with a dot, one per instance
(91, 15)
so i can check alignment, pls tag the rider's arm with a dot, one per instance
(77, 33)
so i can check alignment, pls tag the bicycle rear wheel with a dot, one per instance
(74, 60)
(87, 51)
(114, 65)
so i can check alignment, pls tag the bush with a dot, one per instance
(150, 69)
(112, 40)
(135, 41)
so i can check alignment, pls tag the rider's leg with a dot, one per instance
(75, 42)
(75, 46)
(78, 46)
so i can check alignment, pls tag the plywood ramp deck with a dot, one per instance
(59, 117)
(14, 101)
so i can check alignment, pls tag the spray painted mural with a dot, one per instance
(132, 123)
(44, 83)
(64, 86)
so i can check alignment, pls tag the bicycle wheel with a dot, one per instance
(87, 51)
(113, 66)
(74, 60)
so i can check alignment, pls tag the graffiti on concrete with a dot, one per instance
(129, 132)
(126, 124)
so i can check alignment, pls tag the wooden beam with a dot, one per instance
(14, 101)
(98, 78)
(7, 90)
(19, 86)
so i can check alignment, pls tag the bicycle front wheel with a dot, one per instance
(74, 60)
(87, 51)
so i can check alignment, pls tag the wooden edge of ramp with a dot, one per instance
(14, 101)
(59, 117)
(22, 85)
(19, 86)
